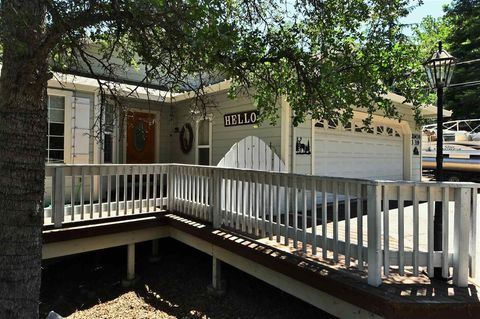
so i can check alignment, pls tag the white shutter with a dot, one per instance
(81, 130)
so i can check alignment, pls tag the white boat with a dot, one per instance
(461, 149)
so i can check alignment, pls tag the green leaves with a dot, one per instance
(328, 57)
(464, 44)
(338, 56)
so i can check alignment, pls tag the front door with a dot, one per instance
(140, 137)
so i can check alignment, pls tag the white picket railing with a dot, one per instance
(82, 192)
(352, 221)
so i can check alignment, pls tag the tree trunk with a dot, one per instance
(23, 130)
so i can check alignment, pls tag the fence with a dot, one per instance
(341, 219)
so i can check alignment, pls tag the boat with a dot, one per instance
(461, 149)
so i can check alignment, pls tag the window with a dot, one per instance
(203, 142)
(56, 129)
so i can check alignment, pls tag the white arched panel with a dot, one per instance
(252, 153)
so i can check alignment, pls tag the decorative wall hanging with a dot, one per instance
(240, 118)
(416, 144)
(140, 136)
(302, 148)
(186, 138)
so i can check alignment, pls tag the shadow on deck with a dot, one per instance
(321, 282)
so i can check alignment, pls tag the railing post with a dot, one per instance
(217, 205)
(374, 193)
(170, 187)
(474, 238)
(59, 196)
(461, 236)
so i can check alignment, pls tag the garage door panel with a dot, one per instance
(358, 155)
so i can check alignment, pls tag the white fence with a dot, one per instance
(352, 222)
(78, 192)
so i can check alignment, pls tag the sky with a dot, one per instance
(429, 7)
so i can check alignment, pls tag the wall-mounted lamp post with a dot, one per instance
(439, 71)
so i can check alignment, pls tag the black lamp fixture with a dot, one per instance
(439, 69)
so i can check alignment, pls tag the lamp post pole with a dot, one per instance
(438, 218)
(439, 70)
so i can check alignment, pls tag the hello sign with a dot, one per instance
(241, 118)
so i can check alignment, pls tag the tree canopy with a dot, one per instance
(464, 43)
(459, 31)
(326, 57)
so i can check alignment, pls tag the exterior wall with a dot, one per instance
(301, 163)
(180, 116)
(171, 116)
(414, 164)
(95, 154)
(223, 138)
(70, 156)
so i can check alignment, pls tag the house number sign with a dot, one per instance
(241, 118)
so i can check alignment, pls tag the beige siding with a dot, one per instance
(90, 96)
(302, 162)
(181, 116)
(166, 132)
(223, 138)
(417, 162)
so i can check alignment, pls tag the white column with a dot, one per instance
(374, 234)
(58, 193)
(131, 262)
(461, 237)
(216, 273)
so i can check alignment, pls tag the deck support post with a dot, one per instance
(154, 257)
(461, 238)
(216, 273)
(131, 279)
(218, 285)
(374, 206)
(131, 262)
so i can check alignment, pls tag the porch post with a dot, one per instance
(131, 262)
(461, 236)
(58, 193)
(374, 205)
(217, 189)
(216, 274)
(170, 187)
(217, 288)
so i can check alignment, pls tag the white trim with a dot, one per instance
(285, 132)
(209, 118)
(312, 147)
(292, 149)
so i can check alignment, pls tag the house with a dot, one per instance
(160, 128)
(352, 216)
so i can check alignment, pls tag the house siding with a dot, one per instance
(223, 138)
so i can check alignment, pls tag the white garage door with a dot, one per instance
(351, 152)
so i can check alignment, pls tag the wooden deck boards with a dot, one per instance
(398, 297)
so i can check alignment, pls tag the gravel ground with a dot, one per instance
(89, 286)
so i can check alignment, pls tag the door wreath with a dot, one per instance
(186, 138)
